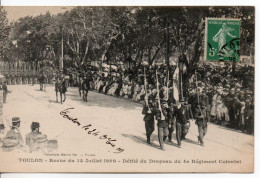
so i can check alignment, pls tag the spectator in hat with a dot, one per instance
(13, 138)
(113, 88)
(249, 116)
(136, 89)
(141, 94)
(31, 137)
(129, 90)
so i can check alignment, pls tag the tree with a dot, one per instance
(4, 32)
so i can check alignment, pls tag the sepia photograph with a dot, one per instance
(127, 89)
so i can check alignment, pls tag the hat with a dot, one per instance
(35, 125)
(15, 119)
(41, 138)
(2, 126)
(164, 104)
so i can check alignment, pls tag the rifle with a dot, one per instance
(146, 96)
(158, 96)
(198, 98)
(167, 86)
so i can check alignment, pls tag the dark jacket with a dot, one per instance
(201, 116)
(148, 116)
(184, 114)
(158, 115)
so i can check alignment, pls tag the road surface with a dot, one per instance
(120, 121)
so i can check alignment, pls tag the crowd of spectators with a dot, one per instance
(227, 91)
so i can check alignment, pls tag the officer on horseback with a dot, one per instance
(85, 87)
(61, 86)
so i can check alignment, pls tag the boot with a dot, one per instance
(148, 139)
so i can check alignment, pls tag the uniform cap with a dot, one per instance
(164, 104)
(15, 119)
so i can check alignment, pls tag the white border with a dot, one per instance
(126, 2)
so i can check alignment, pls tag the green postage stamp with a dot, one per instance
(222, 41)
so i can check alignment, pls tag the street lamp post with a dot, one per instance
(62, 54)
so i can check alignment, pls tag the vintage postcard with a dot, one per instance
(127, 89)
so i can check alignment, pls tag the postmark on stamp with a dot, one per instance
(222, 41)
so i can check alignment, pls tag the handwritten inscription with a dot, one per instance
(91, 131)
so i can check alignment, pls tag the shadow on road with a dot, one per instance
(155, 138)
(190, 141)
(233, 130)
(142, 140)
(102, 100)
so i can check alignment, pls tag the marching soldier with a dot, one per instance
(184, 114)
(163, 122)
(13, 138)
(85, 87)
(187, 115)
(201, 121)
(172, 119)
(149, 114)
(41, 78)
(80, 86)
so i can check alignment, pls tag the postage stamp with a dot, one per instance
(222, 41)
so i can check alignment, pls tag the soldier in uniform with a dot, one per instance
(5, 91)
(201, 121)
(80, 86)
(184, 114)
(187, 115)
(148, 112)
(41, 82)
(85, 87)
(163, 123)
(31, 138)
(172, 119)
(13, 138)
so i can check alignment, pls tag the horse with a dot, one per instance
(61, 87)
(42, 81)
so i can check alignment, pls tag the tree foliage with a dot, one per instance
(126, 34)
(4, 32)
